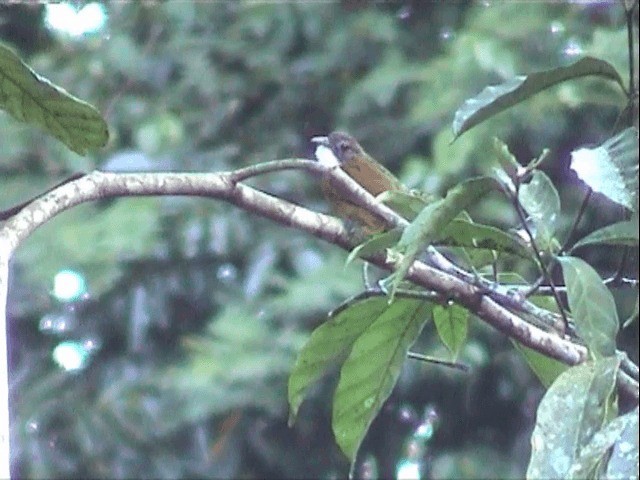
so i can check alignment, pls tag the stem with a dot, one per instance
(536, 251)
(574, 227)
(437, 361)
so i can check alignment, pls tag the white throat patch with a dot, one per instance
(325, 156)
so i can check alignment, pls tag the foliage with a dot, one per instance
(31, 98)
(196, 309)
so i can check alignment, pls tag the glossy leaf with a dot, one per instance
(596, 450)
(621, 233)
(623, 463)
(452, 324)
(592, 306)
(434, 218)
(330, 342)
(574, 408)
(408, 204)
(612, 168)
(494, 99)
(464, 233)
(28, 97)
(541, 201)
(372, 369)
(376, 243)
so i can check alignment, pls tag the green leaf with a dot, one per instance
(452, 323)
(434, 218)
(541, 201)
(574, 408)
(592, 306)
(621, 233)
(596, 450)
(407, 204)
(329, 342)
(372, 369)
(494, 99)
(546, 369)
(612, 168)
(464, 233)
(623, 463)
(28, 97)
(376, 243)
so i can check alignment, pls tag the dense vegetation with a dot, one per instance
(195, 310)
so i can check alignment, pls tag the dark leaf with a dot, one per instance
(592, 306)
(494, 99)
(28, 97)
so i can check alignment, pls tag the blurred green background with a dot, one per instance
(170, 356)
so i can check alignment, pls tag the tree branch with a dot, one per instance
(490, 304)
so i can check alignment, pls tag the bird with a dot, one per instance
(342, 150)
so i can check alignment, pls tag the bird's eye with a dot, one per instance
(344, 147)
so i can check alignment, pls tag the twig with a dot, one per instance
(242, 174)
(574, 227)
(427, 358)
(546, 290)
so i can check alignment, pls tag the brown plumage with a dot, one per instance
(360, 166)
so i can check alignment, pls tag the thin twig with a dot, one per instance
(545, 290)
(426, 358)
(242, 174)
(574, 227)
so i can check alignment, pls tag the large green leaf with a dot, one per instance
(574, 408)
(433, 219)
(28, 97)
(330, 341)
(621, 233)
(464, 233)
(376, 243)
(596, 450)
(592, 306)
(623, 463)
(612, 168)
(372, 369)
(494, 99)
(407, 203)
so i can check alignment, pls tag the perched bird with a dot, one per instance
(341, 149)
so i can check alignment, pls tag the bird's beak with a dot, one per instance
(324, 141)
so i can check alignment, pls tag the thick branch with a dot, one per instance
(485, 303)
